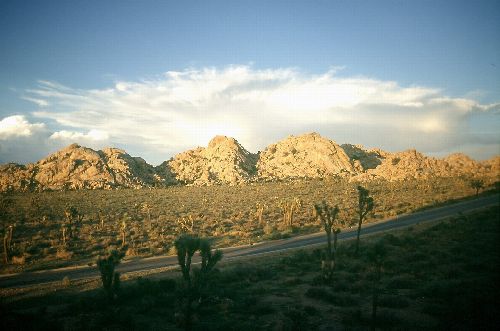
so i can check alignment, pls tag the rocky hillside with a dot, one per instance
(492, 166)
(307, 155)
(362, 159)
(16, 177)
(411, 164)
(77, 167)
(224, 161)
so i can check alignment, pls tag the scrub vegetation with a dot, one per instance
(426, 277)
(55, 229)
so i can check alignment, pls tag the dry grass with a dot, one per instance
(150, 220)
(434, 277)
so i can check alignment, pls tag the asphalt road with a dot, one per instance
(431, 215)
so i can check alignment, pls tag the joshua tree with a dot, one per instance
(101, 218)
(208, 261)
(63, 233)
(7, 243)
(186, 246)
(260, 211)
(110, 278)
(5, 249)
(186, 224)
(327, 216)
(365, 205)
(376, 256)
(288, 208)
(71, 214)
(35, 209)
(9, 237)
(146, 208)
(331, 224)
(123, 230)
(477, 184)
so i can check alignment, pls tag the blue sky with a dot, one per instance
(442, 57)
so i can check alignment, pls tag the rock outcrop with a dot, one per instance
(411, 164)
(363, 159)
(77, 167)
(16, 177)
(224, 161)
(492, 166)
(305, 156)
(406, 165)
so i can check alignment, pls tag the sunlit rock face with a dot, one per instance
(16, 177)
(77, 167)
(305, 156)
(411, 164)
(223, 161)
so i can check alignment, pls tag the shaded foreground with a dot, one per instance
(443, 276)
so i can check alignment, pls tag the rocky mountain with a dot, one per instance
(223, 161)
(77, 167)
(16, 177)
(461, 164)
(492, 166)
(308, 155)
(411, 164)
(405, 165)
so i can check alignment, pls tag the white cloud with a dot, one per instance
(18, 126)
(38, 102)
(159, 117)
(94, 135)
(22, 141)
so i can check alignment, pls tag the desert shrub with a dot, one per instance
(64, 254)
(66, 282)
(392, 240)
(342, 283)
(393, 301)
(386, 319)
(204, 203)
(354, 266)
(442, 288)
(337, 298)
(403, 281)
(18, 260)
(351, 316)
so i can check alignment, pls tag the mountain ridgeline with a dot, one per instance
(225, 161)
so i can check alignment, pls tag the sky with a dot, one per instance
(159, 77)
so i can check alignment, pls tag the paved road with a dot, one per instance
(431, 215)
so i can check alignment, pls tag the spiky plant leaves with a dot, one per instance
(186, 246)
(110, 279)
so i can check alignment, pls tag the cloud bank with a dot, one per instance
(17, 126)
(156, 118)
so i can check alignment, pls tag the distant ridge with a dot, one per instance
(224, 161)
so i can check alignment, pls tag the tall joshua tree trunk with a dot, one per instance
(365, 205)
(328, 216)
